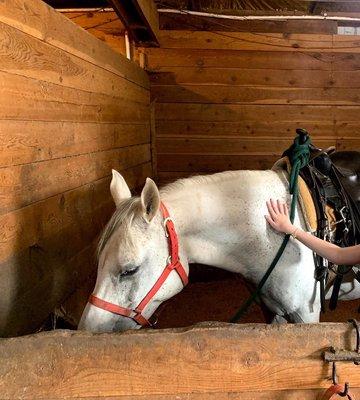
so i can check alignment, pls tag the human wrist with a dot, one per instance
(291, 229)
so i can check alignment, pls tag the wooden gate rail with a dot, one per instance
(207, 361)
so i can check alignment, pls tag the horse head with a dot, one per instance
(135, 270)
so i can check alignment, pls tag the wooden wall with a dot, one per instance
(105, 25)
(70, 110)
(232, 100)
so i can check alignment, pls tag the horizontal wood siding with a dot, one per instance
(70, 110)
(232, 100)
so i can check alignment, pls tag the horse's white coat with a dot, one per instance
(220, 222)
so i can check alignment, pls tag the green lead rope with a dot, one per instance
(299, 156)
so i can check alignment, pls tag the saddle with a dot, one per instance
(334, 182)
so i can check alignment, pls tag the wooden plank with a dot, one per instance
(25, 184)
(150, 13)
(229, 94)
(20, 55)
(254, 77)
(236, 112)
(346, 43)
(39, 20)
(140, 19)
(236, 77)
(250, 41)
(25, 227)
(213, 163)
(50, 102)
(205, 58)
(349, 129)
(153, 139)
(241, 146)
(116, 42)
(52, 250)
(345, 62)
(104, 21)
(85, 365)
(23, 142)
(309, 394)
(193, 22)
(346, 114)
(243, 128)
(349, 144)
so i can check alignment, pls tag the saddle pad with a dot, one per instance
(305, 199)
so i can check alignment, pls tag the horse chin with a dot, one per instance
(125, 324)
(97, 320)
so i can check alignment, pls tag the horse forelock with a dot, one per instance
(123, 216)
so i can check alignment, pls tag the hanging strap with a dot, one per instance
(337, 392)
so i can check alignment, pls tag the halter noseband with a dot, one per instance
(173, 263)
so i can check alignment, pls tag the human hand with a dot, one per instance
(278, 216)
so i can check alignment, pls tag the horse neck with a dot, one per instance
(205, 211)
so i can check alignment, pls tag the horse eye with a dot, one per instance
(129, 272)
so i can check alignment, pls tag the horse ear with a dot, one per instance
(118, 188)
(150, 200)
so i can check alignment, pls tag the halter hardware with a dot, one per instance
(172, 264)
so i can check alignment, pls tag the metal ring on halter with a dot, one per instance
(168, 261)
(165, 227)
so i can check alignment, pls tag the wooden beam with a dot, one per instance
(140, 18)
(197, 362)
(193, 22)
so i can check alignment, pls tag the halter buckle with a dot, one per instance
(166, 220)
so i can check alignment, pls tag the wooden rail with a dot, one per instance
(202, 362)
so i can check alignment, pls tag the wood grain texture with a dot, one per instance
(255, 357)
(44, 101)
(52, 243)
(196, 23)
(226, 94)
(25, 55)
(254, 41)
(37, 19)
(71, 109)
(23, 142)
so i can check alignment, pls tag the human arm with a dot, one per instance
(279, 219)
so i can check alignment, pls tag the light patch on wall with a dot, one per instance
(348, 30)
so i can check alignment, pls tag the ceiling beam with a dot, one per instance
(77, 3)
(140, 18)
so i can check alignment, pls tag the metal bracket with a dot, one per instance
(334, 355)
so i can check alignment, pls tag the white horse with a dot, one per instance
(219, 220)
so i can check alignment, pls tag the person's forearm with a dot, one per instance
(335, 254)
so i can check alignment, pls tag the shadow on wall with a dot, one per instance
(38, 279)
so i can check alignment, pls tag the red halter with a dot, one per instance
(173, 264)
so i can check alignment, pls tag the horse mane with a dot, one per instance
(196, 180)
(123, 216)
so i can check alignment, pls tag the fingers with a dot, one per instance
(271, 210)
(270, 221)
(274, 206)
(286, 210)
(281, 207)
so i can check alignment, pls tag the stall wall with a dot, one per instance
(71, 110)
(232, 100)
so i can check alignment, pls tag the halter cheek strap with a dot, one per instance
(173, 264)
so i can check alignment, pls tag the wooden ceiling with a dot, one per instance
(269, 6)
(235, 6)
